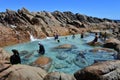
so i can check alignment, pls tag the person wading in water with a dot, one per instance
(41, 49)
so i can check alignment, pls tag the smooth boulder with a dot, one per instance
(108, 70)
(21, 72)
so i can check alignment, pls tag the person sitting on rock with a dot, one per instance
(96, 38)
(15, 58)
(41, 49)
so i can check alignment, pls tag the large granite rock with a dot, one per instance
(112, 43)
(109, 70)
(91, 43)
(43, 62)
(4, 55)
(58, 76)
(21, 72)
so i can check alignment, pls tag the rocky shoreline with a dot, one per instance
(18, 26)
(15, 25)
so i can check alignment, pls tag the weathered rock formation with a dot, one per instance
(4, 56)
(112, 43)
(109, 70)
(21, 72)
(58, 76)
(15, 26)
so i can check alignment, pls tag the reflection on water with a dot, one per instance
(64, 60)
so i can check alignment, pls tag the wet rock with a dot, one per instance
(58, 76)
(43, 62)
(81, 62)
(108, 70)
(94, 44)
(24, 52)
(112, 43)
(95, 50)
(64, 46)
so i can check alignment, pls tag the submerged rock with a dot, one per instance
(62, 55)
(106, 51)
(24, 52)
(64, 46)
(94, 44)
(81, 62)
(43, 62)
(60, 65)
(95, 50)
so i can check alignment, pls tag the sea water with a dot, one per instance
(63, 60)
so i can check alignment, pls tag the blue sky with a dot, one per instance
(96, 8)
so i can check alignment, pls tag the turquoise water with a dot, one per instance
(64, 60)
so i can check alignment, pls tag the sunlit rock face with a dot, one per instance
(112, 43)
(4, 56)
(21, 72)
(15, 24)
(58, 76)
(109, 70)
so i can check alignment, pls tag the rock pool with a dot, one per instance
(63, 60)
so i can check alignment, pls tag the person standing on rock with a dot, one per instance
(105, 35)
(15, 58)
(41, 49)
(56, 36)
